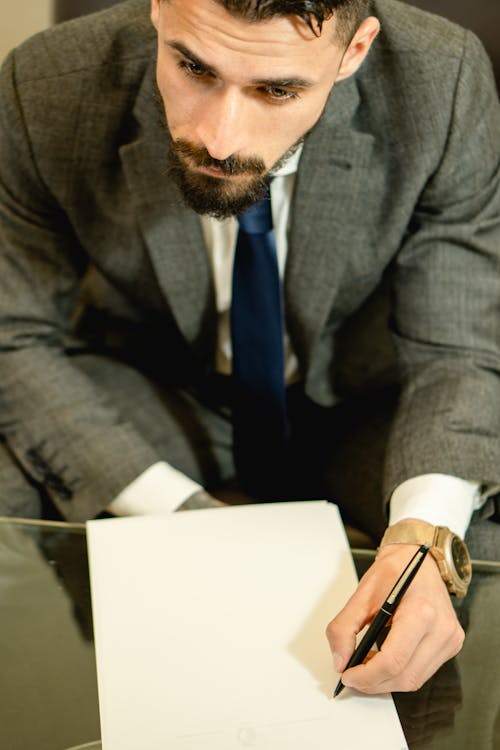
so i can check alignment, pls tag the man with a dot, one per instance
(379, 127)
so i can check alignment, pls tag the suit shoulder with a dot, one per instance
(70, 91)
(98, 41)
(417, 50)
(409, 29)
(423, 77)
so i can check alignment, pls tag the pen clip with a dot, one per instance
(406, 577)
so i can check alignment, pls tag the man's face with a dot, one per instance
(238, 96)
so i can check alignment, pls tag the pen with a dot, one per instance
(385, 612)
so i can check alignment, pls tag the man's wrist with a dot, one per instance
(159, 490)
(403, 532)
(200, 499)
(448, 550)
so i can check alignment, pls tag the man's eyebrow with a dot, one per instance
(185, 52)
(284, 83)
(294, 82)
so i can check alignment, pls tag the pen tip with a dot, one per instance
(338, 689)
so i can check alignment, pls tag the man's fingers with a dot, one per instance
(424, 634)
(343, 630)
(387, 674)
(388, 665)
(411, 652)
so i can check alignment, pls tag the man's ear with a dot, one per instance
(155, 13)
(358, 47)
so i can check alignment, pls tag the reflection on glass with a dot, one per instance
(48, 679)
(47, 654)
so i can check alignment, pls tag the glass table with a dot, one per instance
(48, 685)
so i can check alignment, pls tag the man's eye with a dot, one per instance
(276, 92)
(192, 68)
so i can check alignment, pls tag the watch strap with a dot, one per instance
(439, 540)
(411, 533)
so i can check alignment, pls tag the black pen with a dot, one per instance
(385, 612)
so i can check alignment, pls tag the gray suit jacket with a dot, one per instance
(398, 186)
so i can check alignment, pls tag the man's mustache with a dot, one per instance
(233, 165)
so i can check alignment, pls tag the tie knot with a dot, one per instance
(258, 218)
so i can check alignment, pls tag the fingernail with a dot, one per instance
(337, 662)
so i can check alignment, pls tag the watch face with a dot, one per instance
(461, 559)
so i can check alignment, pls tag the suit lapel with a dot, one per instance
(172, 231)
(320, 250)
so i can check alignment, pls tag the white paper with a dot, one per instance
(210, 632)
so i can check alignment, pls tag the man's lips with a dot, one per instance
(213, 172)
(217, 172)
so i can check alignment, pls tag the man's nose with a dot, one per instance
(222, 124)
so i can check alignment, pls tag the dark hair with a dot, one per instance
(348, 13)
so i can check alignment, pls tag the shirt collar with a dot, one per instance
(291, 165)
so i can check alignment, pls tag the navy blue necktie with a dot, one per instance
(259, 408)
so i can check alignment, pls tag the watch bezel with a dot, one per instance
(455, 566)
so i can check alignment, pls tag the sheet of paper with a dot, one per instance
(209, 631)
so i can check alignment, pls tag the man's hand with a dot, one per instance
(424, 632)
(201, 499)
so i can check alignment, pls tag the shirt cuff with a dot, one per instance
(439, 499)
(159, 490)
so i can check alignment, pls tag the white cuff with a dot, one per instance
(439, 499)
(157, 491)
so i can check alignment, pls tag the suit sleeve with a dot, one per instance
(60, 427)
(446, 299)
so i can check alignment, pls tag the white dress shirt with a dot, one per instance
(436, 498)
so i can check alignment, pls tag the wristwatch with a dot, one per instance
(449, 551)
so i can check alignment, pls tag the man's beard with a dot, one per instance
(219, 196)
(216, 196)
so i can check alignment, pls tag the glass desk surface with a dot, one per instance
(48, 684)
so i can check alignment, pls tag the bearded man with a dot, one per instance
(148, 361)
